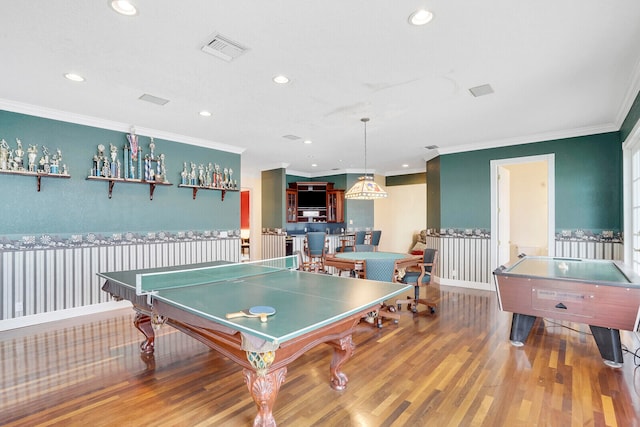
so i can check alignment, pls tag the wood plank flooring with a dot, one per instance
(456, 368)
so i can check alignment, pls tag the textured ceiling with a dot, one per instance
(558, 69)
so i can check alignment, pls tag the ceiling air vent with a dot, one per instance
(481, 90)
(153, 99)
(291, 137)
(431, 147)
(224, 48)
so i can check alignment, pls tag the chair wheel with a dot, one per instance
(414, 309)
(432, 309)
(399, 307)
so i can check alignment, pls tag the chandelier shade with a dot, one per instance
(365, 188)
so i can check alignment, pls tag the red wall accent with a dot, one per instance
(244, 210)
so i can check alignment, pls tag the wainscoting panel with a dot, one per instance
(462, 258)
(590, 249)
(273, 246)
(38, 280)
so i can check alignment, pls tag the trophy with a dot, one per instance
(114, 165)
(18, 153)
(152, 147)
(4, 155)
(184, 174)
(32, 154)
(201, 175)
(192, 176)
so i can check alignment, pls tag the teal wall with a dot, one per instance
(588, 173)
(433, 194)
(273, 198)
(632, 118)
(76, 205)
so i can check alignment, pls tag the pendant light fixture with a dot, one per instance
(365, 188)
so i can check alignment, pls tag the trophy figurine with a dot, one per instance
(4, 155)
(192, 176)
(163, 169)
(55, 162)
(114, 155)
(18, 153)
(32, 154)
(230, 180)
(207, 175)
(152, 147)
(201, 175)
(184, 174)
(218, 177)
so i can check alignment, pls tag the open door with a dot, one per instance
(504, 215)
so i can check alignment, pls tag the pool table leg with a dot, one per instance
(264, 387)
(342, 351)
(608, 341)
(520, 327)
(142, 322)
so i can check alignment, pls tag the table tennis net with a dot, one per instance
(149, 282)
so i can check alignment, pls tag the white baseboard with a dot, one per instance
(52, 316)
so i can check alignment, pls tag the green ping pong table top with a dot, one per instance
(303, 301)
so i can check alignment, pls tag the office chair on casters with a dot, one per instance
(315, 250)
(419, 279)
(383, 270)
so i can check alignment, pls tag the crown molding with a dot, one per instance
(530, 139)
(65, 116)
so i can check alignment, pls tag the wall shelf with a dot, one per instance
(195, 189)
(38, 175)
(112, 181)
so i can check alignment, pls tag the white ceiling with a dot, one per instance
(558, 68)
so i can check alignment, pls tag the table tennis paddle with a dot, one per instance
(260, 311)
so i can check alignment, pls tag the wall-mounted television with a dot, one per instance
(312, 199)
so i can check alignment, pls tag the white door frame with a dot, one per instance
(551, 200)
(629, 146)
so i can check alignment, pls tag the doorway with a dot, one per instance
(522, 208)
(245, 225)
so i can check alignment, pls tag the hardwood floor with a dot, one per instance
(456, 368)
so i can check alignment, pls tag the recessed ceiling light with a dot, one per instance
(74, 77)
(123, 7)
(420, 17)
(307, 141)
(205, 113)
(405, 165)
(314, 165)
(281, 79)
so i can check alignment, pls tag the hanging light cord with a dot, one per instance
(365, 120)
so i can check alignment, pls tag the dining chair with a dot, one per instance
(375, 238)
(418, 279)
(383, 270)
(360, 237)
(316, 245)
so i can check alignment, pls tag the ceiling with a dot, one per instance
(557, 69)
